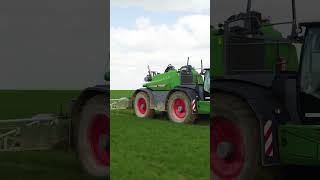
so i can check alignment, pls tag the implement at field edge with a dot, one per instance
(41, 132)
(122, 103)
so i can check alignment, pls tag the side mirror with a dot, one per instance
(148, 78)
(299, 30)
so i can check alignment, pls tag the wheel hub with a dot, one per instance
(179, 108)
(227, 149)
(142, 105)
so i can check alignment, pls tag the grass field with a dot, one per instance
(116, 94)
(19, 104)
(156, 149)
(34, 165)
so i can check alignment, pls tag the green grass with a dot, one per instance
(116, 94)
(34, 165)
(18, 104)
(156, 149)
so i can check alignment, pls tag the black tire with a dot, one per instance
(187, 116)
(94, 107)
(144, 111)
(235, 111)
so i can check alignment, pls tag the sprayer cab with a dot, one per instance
(244, 23)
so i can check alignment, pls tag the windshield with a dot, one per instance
(310, 72)
(207, 81)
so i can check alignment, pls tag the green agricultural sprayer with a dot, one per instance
(183, 93)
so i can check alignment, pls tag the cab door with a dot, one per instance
(309, 83)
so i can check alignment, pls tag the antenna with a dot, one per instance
(248, 13)
(248, 6)
(201, 67)
(149, 71)
(294, 20)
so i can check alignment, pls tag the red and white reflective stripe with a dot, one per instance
(193, 105)
(268, 145)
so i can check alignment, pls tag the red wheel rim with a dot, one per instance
(99, 139)
(142, 105)
(179, 108)
(225, 131)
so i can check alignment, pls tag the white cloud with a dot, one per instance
(167, 5)
(157, 45)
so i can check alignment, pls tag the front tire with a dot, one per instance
(93, 146)
(179, 108)
(142, 105)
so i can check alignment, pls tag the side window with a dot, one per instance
(315, 59)
(310, 79)
(207, 81)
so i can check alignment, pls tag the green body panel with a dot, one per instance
(299, 144)
(270, 32)
(217, 54)
(198, 78)
(287, 51)
(164, 82)
(169, 80)
(203, 107)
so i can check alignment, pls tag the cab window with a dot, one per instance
(310, 72)
(207, 81)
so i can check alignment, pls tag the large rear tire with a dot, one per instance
(179, 108)
(142, 105)
(93, 137)
(235, 142)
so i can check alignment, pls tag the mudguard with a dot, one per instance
(190, 92)
(90, 92)
(146, 90)
(76, 105)
(268, 110)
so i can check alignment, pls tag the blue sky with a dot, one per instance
(156, 33)
(126, 16)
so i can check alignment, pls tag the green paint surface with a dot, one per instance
(299, 144)
(203, 107)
